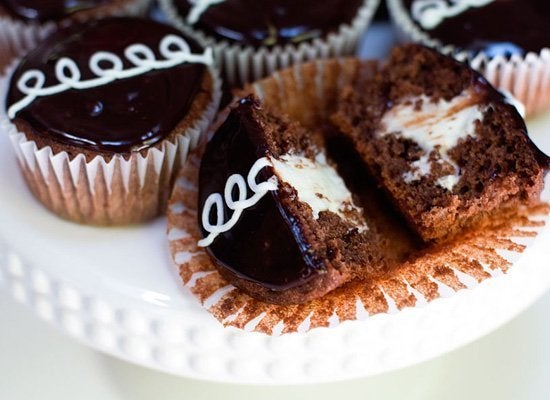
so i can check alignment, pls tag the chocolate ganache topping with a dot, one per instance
(498, 27)
(265, 245)
(120, 115)
(47, 10)
(268, 22)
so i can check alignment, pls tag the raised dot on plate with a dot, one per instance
(355, 338)
(246, 341)
(357, 363)
(284, 369)
(171, 331)
(172, 359)
(102, 312)
(208, 364)
(44, 308)
(248, 369)
(317, 342)
(41, 282)
(104, 337)
(205, 338)
(72, 323)
(283, 344)
(69, 298)
(15, 266)
(137, 348)
(321, 368)
(19, 292)
(135, 323)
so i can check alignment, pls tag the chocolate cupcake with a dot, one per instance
(102, 117)
(253, 39)
(25, 23)
(507, 41)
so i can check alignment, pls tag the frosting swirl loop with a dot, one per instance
(173, 48)
(239, 205)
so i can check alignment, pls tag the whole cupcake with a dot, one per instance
(103, 114)
(507, 41)
(254, 38)
(23, 23)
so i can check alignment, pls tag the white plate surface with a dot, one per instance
(117, 291)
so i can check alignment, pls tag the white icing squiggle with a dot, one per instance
(199, 7)
(173, 48)
(434, 126)
(430, 13)
(237, 206)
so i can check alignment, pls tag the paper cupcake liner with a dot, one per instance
(526, 77)
(241, 64)
(17, 37)
(104, 191)
(308, 94)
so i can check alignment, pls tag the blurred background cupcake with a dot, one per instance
(24, 22)
(508, 41)
(103, 114)
(252, 39)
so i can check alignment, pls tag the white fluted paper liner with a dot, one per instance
(17, 37)
(241, 64)
(102, 191)
(526, 77)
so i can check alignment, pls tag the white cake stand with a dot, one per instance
(116, 290)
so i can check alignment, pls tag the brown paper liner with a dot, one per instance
(308, 93)
(527, 77)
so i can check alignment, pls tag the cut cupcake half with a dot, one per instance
(446, 147)
(277, 218)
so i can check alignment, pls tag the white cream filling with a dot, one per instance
(317, 184)
(418, 169)
(434, 126)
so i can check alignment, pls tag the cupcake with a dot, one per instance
(507, 41)
(24, 23)
(102, 116)
(254, 38)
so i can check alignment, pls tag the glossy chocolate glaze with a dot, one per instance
(122, 116)
(265, 245)
(47, 10)
(272, 22)
(503, 27)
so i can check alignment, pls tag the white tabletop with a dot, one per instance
(37, 362)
